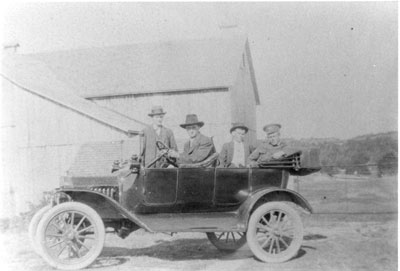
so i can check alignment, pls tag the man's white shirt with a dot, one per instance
(157, 129)
(238, 153)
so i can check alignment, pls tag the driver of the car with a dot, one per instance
(156, 132)
(198, 148)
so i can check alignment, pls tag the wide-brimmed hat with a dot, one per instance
(239, 125)
(157, 110)
(191, 119)
(272, 128)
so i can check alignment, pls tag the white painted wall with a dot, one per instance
(40, 140)
(211, 106)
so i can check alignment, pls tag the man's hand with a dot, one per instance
(173, 154)
(278, 155)
(162, 152)
(252, 164)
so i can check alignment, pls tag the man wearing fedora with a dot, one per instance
(152, 133)
(198, 148)
(271, 149)
(236, 152)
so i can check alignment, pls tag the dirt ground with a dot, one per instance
(331, 242)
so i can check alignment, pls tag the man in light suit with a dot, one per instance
(236, 152)
(152, 133)
(198, 148)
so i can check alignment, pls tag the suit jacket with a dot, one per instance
(226, 154)
(149, 149)
(199, 151)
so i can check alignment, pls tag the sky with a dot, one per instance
(323, 69)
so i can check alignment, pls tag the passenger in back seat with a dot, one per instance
(271, 149)
(236, 152)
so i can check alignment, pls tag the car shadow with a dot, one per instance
(314, 237)
(102, 262)
(300, 253)
(174, 250)
(179, 250)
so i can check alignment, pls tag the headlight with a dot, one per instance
(59, 197)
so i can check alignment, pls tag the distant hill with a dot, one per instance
(393, 135)
(357, 154)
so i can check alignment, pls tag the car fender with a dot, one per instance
(105, 206)
(267, 195)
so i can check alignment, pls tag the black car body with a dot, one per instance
(185, 199)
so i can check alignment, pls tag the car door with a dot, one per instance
(232, 186)
(195, 189)
(160, 186)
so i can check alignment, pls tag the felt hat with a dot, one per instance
(272, 128)
(191, 119)
(239, 125)
(157, 110)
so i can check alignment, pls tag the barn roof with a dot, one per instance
(35, 77)
(150, 67)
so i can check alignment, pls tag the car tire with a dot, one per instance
(275, 232)
(227, 241)
(71, 236)
(33, 225)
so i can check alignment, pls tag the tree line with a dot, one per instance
(362, 155)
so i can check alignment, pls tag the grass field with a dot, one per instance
(348, 194)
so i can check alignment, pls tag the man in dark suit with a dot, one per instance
(152, 133)
(236, 152)
(198, 148)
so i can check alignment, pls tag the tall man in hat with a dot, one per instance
(152, 133)
(198, 148)
(236, 152)
(271, 149)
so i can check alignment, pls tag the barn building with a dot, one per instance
(64, 108)
(44, 127)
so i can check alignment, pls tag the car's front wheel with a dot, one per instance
(227, 241)
(33, 225)
(275, 232)
(71, 236)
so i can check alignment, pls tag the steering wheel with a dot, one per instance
(161, 146)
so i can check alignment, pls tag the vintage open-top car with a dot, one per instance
(230, 205)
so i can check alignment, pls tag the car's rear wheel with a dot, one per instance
(227, 241)
(275, 232)
(71, 236)
(33, 225)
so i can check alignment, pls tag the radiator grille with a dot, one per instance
(110, 191)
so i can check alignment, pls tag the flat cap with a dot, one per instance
(272, 128)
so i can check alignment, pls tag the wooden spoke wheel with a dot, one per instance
(33, 225)
(71, 236)
(227, 241)
(275, 232)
